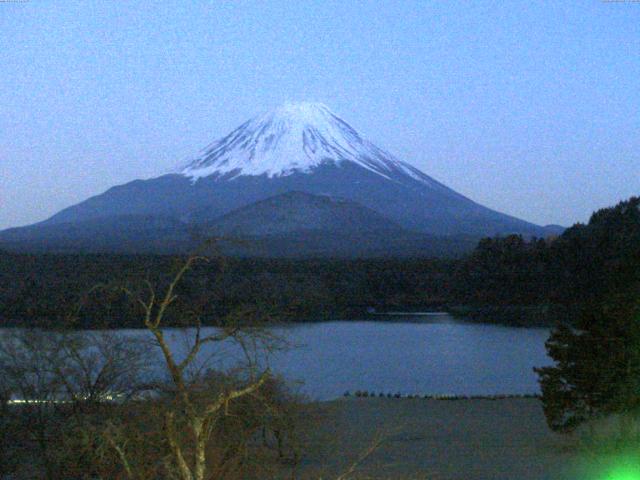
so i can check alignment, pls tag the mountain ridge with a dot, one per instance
(295, 148)
(296, 211)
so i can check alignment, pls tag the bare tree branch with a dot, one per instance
(375, 444)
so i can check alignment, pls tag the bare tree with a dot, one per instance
(58, 382)
(195, 401)
(82, 395)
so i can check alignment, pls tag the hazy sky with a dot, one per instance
(531, 108)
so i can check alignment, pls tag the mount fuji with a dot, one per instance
(285, 180)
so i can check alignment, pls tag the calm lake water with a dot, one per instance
(410, 355)
(419, 355)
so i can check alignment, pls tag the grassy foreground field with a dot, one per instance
(441, 439)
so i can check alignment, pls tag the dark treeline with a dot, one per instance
(558, 277)
(509, 280)
(43, 290)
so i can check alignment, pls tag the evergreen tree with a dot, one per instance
(597, 370)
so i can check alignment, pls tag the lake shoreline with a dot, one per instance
(518, 316)
(432, 356)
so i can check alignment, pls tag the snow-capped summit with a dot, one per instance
(295, 137)
(278, 176)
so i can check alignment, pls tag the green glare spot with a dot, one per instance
(625, 470)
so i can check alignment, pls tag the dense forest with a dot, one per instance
(45, 289)
(510, 279)
(558, 277)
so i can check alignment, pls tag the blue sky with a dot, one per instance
(531, 108)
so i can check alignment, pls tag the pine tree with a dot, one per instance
(597, 371)
(597, 358)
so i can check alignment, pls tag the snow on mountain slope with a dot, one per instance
(296, 137)
(300, 147)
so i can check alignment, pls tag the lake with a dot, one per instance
(436, 355)
(411, 355)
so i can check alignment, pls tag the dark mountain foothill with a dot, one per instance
(283, 181)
